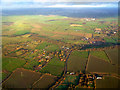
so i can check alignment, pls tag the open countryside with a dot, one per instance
(59, 52)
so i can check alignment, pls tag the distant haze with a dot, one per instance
(69, 12)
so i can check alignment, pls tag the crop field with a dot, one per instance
(77, 61)
(11, 64)
(30, 64)
(100, 55)
(113, 54)
(45, 81)
(110, 40)
(52, 48)
(43, 45)
(21, 78)
(12, 40)
(98, 65)
(54, 67)
(108, 82)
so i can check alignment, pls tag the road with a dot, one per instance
(64, 74)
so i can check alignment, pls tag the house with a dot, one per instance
(47, 57)
(99, 77)
(39, 65)
(72, 73)
(61, 59)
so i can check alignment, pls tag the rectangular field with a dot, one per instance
(77, 61)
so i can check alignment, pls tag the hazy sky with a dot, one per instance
(14, 4)
(59, 0)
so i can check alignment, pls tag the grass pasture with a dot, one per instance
(11, 64)
(54, 67)
(71, 79)
(21, 78)
(100, 54)
(31, 63)
(52, 48)
(43, 45)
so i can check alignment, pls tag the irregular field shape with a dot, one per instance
(45, 82)
(98, 65)
(113, 55)
(21, 78)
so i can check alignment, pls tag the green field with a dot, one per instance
(11, 64)
(43, 45)
(100, 54)
(54, 67)
(52, 48)
(77, 61)
(71, 80)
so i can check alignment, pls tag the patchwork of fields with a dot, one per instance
(53, 51)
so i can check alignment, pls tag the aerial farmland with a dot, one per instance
(59, 52)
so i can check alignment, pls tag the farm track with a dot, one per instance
(101, 59)
(108, 57)
(87, 61)
(64, 74)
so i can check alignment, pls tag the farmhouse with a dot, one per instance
(72, 73)
(99, 78)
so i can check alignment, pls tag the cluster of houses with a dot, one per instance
(89, 19)
(88, 80)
